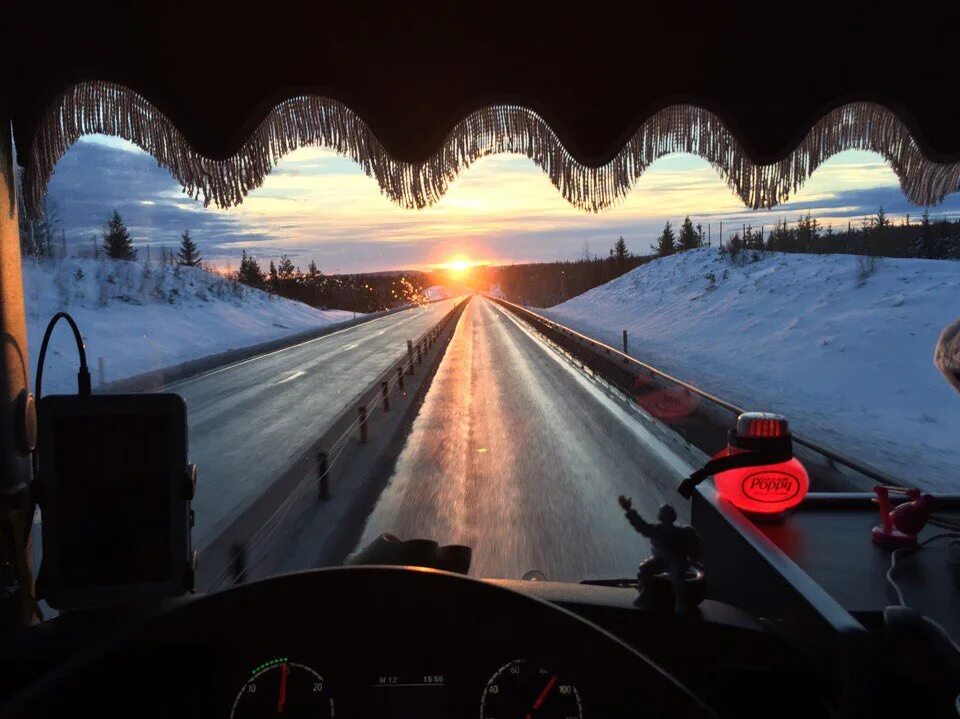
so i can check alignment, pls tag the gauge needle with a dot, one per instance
(283, 689)
(543, 696)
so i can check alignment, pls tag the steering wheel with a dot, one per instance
(178, 661)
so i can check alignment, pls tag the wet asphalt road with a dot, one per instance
(250, 421)
(516, 453)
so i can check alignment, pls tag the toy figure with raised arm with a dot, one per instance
(675, 550)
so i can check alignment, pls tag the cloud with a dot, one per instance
(318, 205)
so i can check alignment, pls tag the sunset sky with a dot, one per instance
(316, 205)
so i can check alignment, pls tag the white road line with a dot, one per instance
(257, 358)
(292, 377)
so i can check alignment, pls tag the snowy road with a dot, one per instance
(518, 455)
(250, 421)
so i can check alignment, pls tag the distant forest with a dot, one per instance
(544, 284)
(877, 235)
(358, 292)
(541, 284)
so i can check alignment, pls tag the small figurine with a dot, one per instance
(675, 550)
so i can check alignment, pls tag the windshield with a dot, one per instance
(496, 369)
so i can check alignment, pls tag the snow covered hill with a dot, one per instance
(846, 355)
(145, 316)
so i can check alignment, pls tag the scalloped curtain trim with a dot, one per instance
(111, 109)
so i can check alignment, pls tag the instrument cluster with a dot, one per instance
(531, 688)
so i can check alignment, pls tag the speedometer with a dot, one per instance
(528, 689)
(283, 688)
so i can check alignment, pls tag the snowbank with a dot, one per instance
(140, 317)
(849, 360)
(436, 292)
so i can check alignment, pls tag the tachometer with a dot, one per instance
(527, 689)
(283, 688)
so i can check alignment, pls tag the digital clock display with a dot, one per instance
(408, 696)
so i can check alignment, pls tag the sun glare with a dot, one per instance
(459, 266)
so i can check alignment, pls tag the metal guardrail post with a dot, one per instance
(400, 377)
(410, 356)
(385, 392)
(362, 409)
(625, 345)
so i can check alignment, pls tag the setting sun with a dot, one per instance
(459, 265)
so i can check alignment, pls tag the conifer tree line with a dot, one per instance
(878, 235)
(358, 292)
(46, 238)
(544, 284)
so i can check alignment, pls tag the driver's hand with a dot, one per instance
(388, 549)
(626, 503)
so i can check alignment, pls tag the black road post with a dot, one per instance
(323, 470)
(239, 563)
(363, 423)
(385, 390)
(410, 355)
(400, 377)
(625, 351)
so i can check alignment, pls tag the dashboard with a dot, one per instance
(389, 643)
(522, 687)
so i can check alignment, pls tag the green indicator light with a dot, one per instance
(268, 664)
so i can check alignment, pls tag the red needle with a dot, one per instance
(543, 696)
(283, 688)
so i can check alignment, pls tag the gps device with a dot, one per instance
(114, 491)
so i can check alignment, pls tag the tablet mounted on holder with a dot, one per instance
(114, 488)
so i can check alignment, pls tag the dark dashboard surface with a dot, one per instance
(359, 642)
(393, 642)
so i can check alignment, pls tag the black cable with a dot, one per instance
(83, 374)
(910, 550)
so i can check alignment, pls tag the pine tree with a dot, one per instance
(272, 277)
(116, 239)
(312, 271)
(250, 272)
(734, 245)
(688, 238)
(188, 254)
(285, 270)
(666, 243)
(620, 251)
(927, 244)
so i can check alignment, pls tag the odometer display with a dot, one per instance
(284, 689)
(527, 689)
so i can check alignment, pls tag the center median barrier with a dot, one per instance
(334, 479)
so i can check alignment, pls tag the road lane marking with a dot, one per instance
(292, 377)
(257, 358)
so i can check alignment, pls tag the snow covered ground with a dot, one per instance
(849, 360)
(140, 317)
(436, 292)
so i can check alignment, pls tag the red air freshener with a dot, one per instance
(767, 488)
(757, 471)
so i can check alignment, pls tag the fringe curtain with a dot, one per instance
(111, 109)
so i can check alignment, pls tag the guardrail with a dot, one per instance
(229, 552)
(622, 370)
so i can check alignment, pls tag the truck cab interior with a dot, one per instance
(789, 619)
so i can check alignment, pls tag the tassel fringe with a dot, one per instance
(111, 109)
